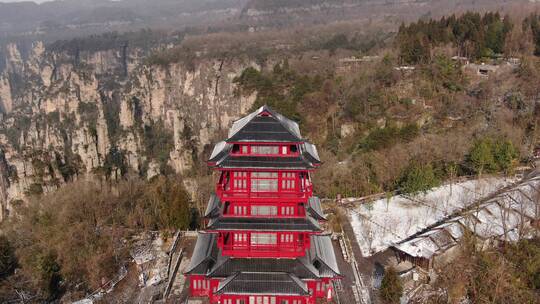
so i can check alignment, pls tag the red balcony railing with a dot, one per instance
(264, 251)
(223, 190)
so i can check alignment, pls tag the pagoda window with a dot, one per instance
(240, 149)
(240, 210)
(286, 238)
(262, 300)
(264, 210)
(288, 211)
(287, 301)
(264, 150)
(240, 239)
(288, 181)
(264, 181)
(240, 180)
(201, 284)
(263, 239)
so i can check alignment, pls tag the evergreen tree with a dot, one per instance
(504, 153)
(533, 23)
(481, 156)
(488, 155)
(418, 178)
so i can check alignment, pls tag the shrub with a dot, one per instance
(49, 271)
(418, 178)
(8, 261)
(158, 142)
(34, 189)
(389, 136)
(488, 155)
(391, 288)
(170, 203)
(381, 138)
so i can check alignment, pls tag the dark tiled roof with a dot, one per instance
(315, 208)
(213, 207)
(271, 224)
(278, 162)
(204, 255)
(321, 255)
(225, 266)
(221, 149)
(310, 152)
(262, 283)
(275, 128)
(320, 261)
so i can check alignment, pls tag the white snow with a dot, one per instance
(454, 229)
(383, 223)
(421, 247)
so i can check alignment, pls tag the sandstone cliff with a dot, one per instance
(102, 114)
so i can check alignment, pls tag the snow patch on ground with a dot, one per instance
(384, 222)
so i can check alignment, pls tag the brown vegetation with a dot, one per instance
(76, 238)
(510, 274)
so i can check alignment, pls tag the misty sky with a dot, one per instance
(38, 1)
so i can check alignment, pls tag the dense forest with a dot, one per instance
(474, 36)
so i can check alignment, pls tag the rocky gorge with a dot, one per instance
(107, 113)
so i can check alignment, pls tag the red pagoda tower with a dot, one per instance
(263, 242)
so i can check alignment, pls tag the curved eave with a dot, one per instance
(240, 141)
(317, 232)
(263, 293)
(265, 162)
(263, 167)
(223, 168)
(278, 283)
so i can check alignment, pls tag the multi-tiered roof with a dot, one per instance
(263, 242)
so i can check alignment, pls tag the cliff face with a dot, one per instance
(100, 115)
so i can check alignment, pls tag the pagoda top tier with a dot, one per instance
(265, 139)
(264, 125)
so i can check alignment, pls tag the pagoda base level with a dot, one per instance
(318, 292)
(263, 299)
